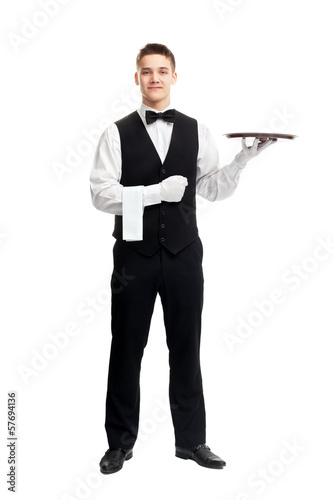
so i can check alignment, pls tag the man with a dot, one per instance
(147, 170)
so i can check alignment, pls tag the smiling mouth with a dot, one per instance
(154, 88)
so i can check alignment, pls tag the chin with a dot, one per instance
(154, 98)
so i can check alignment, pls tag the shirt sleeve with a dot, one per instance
(106, 190)
(213, 182)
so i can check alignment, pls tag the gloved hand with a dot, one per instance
(248, 153)
(173, 188)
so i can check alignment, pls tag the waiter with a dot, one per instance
(147, 170)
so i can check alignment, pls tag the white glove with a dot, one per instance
(173, 188)
(250, 152)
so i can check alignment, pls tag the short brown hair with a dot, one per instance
(156, 48)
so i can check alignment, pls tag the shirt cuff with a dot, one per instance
(241, 160)
(152, 195)
(235, 168)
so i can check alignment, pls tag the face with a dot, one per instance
(155, 78)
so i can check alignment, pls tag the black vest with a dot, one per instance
(172, 225)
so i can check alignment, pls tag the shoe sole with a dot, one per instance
(186, 456)
(128, 457)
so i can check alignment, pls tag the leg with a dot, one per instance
(134, 285)
(182, 299)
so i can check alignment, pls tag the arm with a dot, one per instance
(215, 183)
(106, 190)
(105, 187)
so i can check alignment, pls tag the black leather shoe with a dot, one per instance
(114, 459)
(202, 455)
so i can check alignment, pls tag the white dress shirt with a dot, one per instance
(213, 182)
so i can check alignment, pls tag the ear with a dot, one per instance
(174, 78)
(136, 78)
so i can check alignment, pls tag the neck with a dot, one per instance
(159, 106)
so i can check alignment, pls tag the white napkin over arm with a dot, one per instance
(134, 200)
(133, 213)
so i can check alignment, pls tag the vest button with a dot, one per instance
(163, 212)
(163, 226)
(162, 239)
(163, 170)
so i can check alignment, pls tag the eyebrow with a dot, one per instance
(160, 67)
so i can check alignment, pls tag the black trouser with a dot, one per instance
(136, 280)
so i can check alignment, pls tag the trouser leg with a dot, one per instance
(134, 285)
(182, 299)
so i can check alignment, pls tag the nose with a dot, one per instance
(154, 77)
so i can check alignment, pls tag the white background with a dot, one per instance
(247, 65)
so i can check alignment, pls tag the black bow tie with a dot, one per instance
(169, 116)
